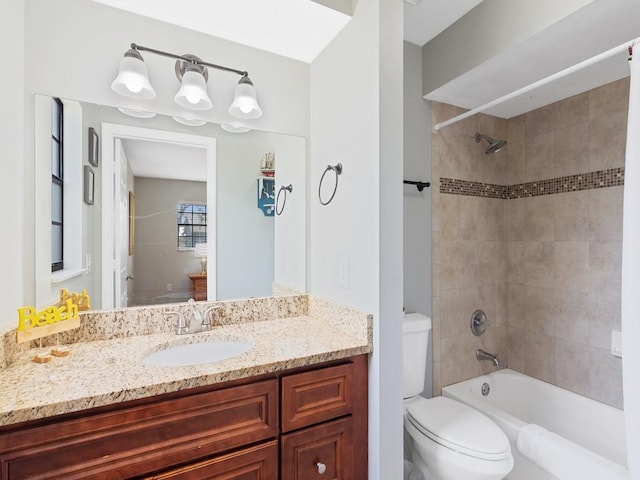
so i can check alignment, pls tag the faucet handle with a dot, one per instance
(206, 319)
(181, 327)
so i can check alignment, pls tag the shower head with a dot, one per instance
(494, 145)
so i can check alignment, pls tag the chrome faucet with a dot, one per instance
(181, 326)
(482, 355)
(199, 322)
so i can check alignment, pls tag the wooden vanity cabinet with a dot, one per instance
(319, 452)
(324, 423)
(254, 463)
(135, 440)
(229, 431)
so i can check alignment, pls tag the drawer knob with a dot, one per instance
(321, 467)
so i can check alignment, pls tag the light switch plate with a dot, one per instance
(616, 343)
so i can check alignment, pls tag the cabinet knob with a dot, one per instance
(321, 467)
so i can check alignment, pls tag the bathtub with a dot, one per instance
(515, 400)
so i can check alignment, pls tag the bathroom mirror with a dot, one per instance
(159, 188)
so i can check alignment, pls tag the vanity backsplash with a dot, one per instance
(133, 321)
(147, 320)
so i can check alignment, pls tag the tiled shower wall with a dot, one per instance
(556, 291)
(469, 257)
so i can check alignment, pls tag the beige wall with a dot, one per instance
(546, 268)
(156, 259)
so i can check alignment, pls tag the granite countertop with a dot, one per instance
(110, 371)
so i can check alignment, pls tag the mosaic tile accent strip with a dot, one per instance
(613, 177)
(473, 189)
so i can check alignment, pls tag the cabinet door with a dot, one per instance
(324, 452)
(316, 396)
(143, 439)
(255, 463)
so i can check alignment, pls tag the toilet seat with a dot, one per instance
(458, 427)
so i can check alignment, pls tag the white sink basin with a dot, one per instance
(196, 353)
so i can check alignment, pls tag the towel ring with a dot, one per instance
(337, 168)
(288, 188)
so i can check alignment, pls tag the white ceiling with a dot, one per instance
(426, 20)
(148, 158)
(298, 29)
(600, 26)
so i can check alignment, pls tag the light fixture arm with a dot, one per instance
(194, 61)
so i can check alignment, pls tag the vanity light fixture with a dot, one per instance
(133, 78)
(193, 84)
(192, 72)
(245, 103)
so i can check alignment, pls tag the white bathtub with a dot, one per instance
(515, 400)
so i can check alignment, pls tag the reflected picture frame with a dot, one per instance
(94, 147)
(89, 185)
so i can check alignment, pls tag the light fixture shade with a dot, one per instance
(201, 250)
(133, 77)
(234, 128)
(190, 122)
(132, 112)
(245, 102)
(193, 91)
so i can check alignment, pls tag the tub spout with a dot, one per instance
(482, 355)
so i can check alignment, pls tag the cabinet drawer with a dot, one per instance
(255, 463)
(319, 453)
(313, 397)
(143, 439)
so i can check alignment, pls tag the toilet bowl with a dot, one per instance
(449, 440)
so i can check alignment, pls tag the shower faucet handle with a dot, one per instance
(479, 322)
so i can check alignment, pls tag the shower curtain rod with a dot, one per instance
(563, 73)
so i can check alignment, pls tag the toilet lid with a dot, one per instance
(459, 427)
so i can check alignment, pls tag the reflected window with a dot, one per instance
(57, 185)
(192, 224)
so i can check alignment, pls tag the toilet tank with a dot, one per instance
(415, 336)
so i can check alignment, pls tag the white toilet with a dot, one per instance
(448, 439)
